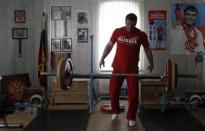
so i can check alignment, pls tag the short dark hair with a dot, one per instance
(131, 17)
(191, 8)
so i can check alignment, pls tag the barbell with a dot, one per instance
(65, 74)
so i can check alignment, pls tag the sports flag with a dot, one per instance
(42, 58)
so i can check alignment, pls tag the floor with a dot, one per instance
(81, 120)
(19, 118)
(100, 121)
(199, 114)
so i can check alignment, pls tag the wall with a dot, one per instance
(11, 63)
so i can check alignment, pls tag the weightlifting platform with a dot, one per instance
(99, 121)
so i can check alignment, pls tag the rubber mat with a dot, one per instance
(170, 120)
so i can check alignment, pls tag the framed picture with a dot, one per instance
(66, 44)
(55, 45)
(82, 35)
(20, 16)
(60, 12)
(20, 33)
(82, 17)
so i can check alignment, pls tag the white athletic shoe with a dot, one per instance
(131, 123)
(114, 116)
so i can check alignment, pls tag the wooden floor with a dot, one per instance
(18, 118)
(199, 114)
(99, 121)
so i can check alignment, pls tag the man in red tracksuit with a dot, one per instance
(128, 39)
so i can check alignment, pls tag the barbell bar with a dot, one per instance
(64, 79)
(107, 76)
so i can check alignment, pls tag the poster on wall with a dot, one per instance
(82, 35)
(157, 29)
(82, 17)
(188, 28)
(60, 12)
(60, 21)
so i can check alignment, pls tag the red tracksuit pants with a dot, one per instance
(115, 86)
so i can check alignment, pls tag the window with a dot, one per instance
(112, 15)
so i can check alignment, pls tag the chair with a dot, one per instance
(17, 88)
(14, 85)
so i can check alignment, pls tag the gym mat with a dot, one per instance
(72, 120)
(170, 120)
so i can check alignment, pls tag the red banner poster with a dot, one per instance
(157, 29)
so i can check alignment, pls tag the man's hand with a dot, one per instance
(150, 67)
(149, 55)
(102, 62)
(106, 51)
